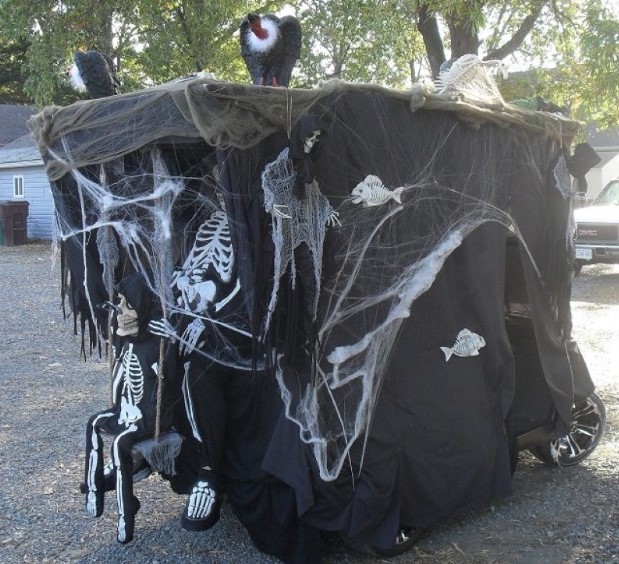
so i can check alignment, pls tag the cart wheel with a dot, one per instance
(404, 541)
(586, 430)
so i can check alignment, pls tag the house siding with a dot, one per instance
(599, 176)
(37, 193)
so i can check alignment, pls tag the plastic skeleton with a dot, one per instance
(130, 420)
(200, 287)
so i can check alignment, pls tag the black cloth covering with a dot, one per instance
(437, 443)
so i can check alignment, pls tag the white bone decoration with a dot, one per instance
(128, 368)
(213, 246)
(201, 500)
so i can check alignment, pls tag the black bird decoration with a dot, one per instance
(94, 72)
(271, 46)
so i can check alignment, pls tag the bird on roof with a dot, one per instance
(271, 46)
(94, 72)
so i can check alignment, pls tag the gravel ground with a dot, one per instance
(48, 393)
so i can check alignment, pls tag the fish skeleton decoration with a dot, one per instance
(372, 192)
(467, 344)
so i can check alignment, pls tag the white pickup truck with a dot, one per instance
(597, 229)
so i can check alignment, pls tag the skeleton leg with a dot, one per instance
(94, 477)
(128, 504)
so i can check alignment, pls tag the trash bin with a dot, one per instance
(14, 222)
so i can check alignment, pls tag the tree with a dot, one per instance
(355, 40)
(186, 36)
(569, 46)
(12, 59)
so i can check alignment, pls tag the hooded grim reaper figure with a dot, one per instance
(133, 416)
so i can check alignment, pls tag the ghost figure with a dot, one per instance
(132, 417)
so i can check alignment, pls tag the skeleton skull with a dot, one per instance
(311, 140)
(127, 318)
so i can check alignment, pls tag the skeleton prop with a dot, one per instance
(207, 291)
(132, 419)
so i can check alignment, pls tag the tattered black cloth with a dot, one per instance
(390, 408)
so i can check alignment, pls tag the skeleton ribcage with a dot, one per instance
(213, 246)
(133, 376)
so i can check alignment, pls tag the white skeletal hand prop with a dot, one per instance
(189, 339)
(163, 328)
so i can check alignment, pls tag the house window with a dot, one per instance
(18, 186)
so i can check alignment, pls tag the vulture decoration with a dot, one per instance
(94, 72)
(271, 46)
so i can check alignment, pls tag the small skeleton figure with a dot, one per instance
(133, 416)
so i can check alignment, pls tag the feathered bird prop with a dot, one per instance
(271, 46)
(94, 72)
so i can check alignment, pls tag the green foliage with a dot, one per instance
(12, 60)
(599, 85)
(356, 40)
(570, 48)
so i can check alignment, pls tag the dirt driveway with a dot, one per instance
(47, 394)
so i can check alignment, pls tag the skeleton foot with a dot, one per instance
(126, 523)
(94, 504)
(203, 506)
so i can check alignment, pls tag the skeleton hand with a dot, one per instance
(129, 413)
(201, 501)
(190, 336)
(163, 328)
(334, 220)
(281, 210)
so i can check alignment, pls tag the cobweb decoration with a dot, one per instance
(562, 178)
(143, 218)
(125, 214)
(470, 78)
(295, 221)
(109, 256)
(380, 276)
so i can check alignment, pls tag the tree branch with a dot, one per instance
(519, 35)
(428, 27)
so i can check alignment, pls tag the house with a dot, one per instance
(13, 122)
(23, 178)
(606, 144)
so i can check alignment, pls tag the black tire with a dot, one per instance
(586, 430)
(404, 541)
(578, 264)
